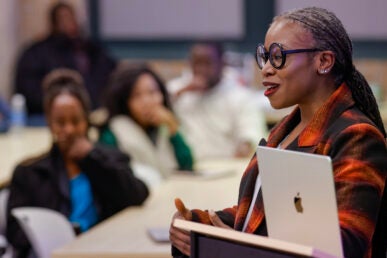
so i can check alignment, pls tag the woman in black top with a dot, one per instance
(85, 182)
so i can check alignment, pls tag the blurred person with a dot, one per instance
(65, 47)
(141, 121)
(87, 183)
(306, 60)
(218, 115)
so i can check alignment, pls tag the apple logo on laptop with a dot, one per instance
(298, 203)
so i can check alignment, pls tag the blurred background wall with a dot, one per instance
(364, 21)
(8, 43)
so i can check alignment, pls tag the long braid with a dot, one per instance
(362, 93)
(330, 34)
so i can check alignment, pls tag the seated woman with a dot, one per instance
(141, 122)
(85, 182)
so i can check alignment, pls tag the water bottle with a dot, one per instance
(18, 112)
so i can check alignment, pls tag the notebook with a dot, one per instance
(299, 198)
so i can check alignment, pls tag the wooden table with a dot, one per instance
(16, 146)
(125, 234)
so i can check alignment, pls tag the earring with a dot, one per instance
(323, 71)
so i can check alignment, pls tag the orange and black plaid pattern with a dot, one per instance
(358, 151)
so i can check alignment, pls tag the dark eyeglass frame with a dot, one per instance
(268, 55)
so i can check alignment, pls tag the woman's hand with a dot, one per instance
(79, 149)
(161, 115)
(181, 239)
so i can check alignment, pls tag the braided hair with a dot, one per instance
(330, 34)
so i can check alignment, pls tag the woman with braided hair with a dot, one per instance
(306, 60)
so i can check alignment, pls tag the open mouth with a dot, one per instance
(270, 90)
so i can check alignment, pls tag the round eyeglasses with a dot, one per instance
(277, 55)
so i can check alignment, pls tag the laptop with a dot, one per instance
(299, 198)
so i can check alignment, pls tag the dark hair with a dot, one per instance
(121, 85)
(330, 34)
(63, 80)
(53, 14)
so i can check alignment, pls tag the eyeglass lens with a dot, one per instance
(261, 56)
(275, 56)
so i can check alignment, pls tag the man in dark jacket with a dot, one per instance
(63, 47)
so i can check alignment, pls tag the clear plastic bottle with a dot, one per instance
(18, 112)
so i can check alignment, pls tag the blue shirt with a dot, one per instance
(83, 209)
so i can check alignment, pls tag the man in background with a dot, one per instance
(218, 116)
(65, 46)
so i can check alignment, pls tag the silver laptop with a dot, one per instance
(299, 198)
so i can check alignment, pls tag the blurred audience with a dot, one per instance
(66, 47)
(85, 182)
(142, 123)
(219, 116)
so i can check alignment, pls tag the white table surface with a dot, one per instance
(125, 234)
(17, 146)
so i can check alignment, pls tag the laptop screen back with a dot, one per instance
(299, 198)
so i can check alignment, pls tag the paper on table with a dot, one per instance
(159, 234)
(205, 173)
